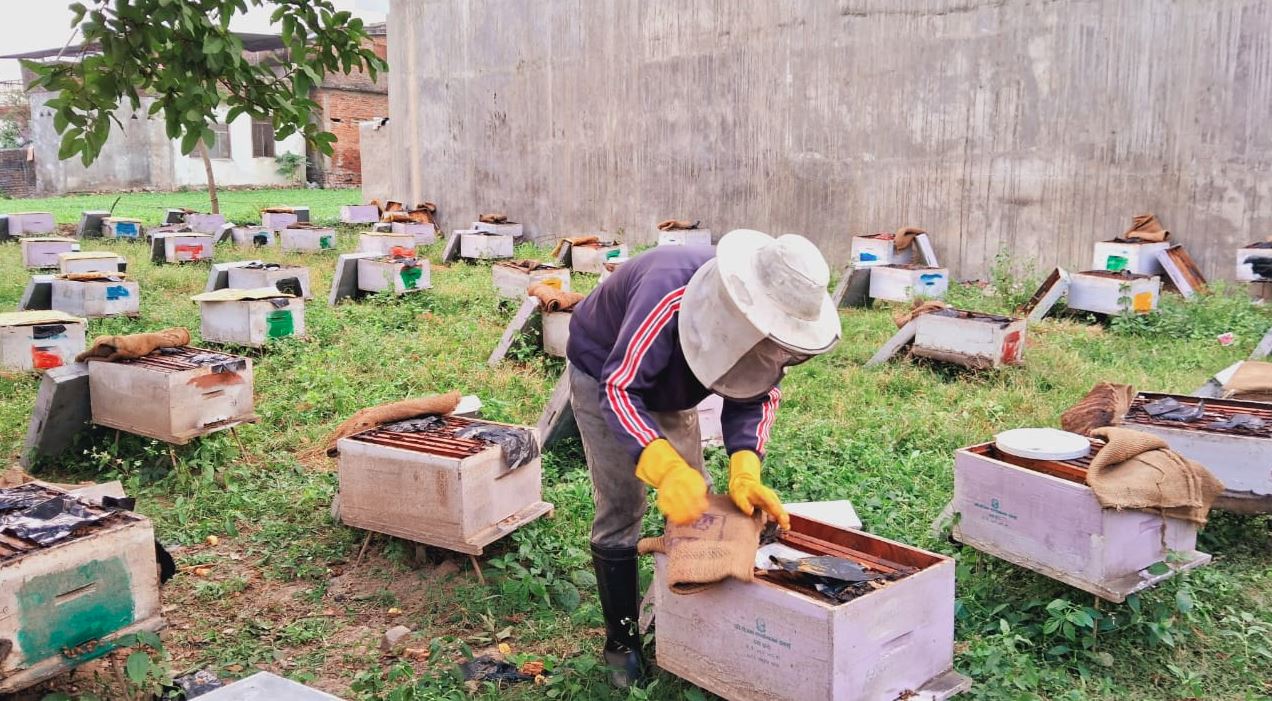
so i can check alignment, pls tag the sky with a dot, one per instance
(30, 25)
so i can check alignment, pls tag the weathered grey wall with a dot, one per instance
(138, 157)
(1034, 126)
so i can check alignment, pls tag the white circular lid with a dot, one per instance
(1043, 444)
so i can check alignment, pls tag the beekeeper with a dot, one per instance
(670, 327)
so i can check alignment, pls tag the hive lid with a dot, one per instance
(34, 317)
(87, 255)
(230, 294)
(1043, 444)
(48, 239)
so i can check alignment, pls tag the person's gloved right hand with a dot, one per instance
(682, 492)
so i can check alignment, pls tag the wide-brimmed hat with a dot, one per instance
(757, 287)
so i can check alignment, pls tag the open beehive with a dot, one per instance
(971, 339)
(112, 294)
(40, 252)
(252, 236)
(393, 274)
(307, 238)
(250, 317)
(510, 229)
(68, 599)
(1041, 515)
(40, 340)
(1240, 457)
(773, 640)
(173, 395)
(906, 282)
(1105, 292)
(513, 279)
(435, 487)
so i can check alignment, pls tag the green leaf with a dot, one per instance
(1183, 601)
(565, 594)
(1104, 659)
(1004, 626)
(137, 667)
(1058, 650)
(213, 44)
(1158, 569)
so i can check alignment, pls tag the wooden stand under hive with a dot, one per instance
(774, 640)
(173, 395)
(67, 601)
(436, 488)
(1041, 515)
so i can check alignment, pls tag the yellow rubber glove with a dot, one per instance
(682, 492)
(748, 492)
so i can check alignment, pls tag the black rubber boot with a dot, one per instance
(618, 582)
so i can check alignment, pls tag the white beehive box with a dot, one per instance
(1041, 515)
(514, 282)
(277, 221)
(187, 248)
(1139, 258)
(248, 278)
(40, 340)
(762, 641)
(453, 493)
(307, 239)
(869, 251)
(905, 283)
(42, 251)
(387, 274)
(251, 317)
(89, 262)
(359, 214)
(556, 332)
(383, 243)
(1103, 292)
(971, 339)
(1245, 271)
(67, 602)
(424, 234)
(476, 245)
(592, 259)
(252, 236)
(122, 228)
(685, 237)
(204, 223)
(27, 223)
(511, 229)
(95, 299)
(173, 397)
(609, 268)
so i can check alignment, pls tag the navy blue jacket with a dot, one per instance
(625, 335)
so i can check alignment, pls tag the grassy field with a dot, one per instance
(241, 206)
(288, 590)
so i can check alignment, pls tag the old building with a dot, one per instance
(343, 102)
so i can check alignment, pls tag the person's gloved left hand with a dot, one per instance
(748, 492)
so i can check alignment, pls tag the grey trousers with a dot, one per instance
(620, 498)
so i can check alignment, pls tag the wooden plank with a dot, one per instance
(927, 253)
(853, 289)
(1262, 350)
(903, 336)
(1052, 289)
(451, 250)
(1181, 269)
(529, 308)
(557, 420)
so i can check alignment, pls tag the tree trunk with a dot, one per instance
(207, 167)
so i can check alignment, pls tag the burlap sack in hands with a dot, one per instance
(1136, 470)
(919, 308)
(371, 417)
(1252, 382)
(132, 346)
(719, 545)
(553, 300)
(1145, 227)
(677, 224)
(905, 236)
(1105, 405)
(493, 218)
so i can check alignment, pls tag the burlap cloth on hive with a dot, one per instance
(677, 224)
(1145, 227)
(574, 241)
(1252, 382)
(553, 300)
(493, 218)
(905, 236)
(919, 308)
(721, 544)
(1136, 470)
(1105, 405)
(138, 345)
(371, 417)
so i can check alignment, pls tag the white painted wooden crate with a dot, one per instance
(556, 332)
(392, 275)
(122, 228)
(95, 299)
(869, 251)
(251, 322)
(172, 397)
(1109, 293)
(971, 339)
(277, 221)
(1245, 272)
(511, 229)
(313, 238)
(252, 236)
(89, 262)
(188, 248)
(40, 252)
(1139, 258)
(397, 485)
(244, 278)
(384, 243)
(904, 283)
(204, 223)
(78, 596)
(424, 234)
(512, 282)
(1042, 516)
(685, 237)
(26, 223)
(476, 245)
(40, 340)
(359, 214)
(760, 641)
(591, 259)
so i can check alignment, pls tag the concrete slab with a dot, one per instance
(899, 340)
(529, 309)
(853, 289)
(61, 412)
(90, 224)
(557, 420)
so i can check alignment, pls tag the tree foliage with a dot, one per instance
(183, 54)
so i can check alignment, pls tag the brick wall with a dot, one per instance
(17, 174)
(345, 101)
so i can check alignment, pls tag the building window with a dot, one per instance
(262, 139)
(221, 147)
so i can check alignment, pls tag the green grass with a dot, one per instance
(241, 206)
(286, 590)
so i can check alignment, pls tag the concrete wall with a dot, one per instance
(376, 160)
(1032, 126)
(241, 168)
(135, 157)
